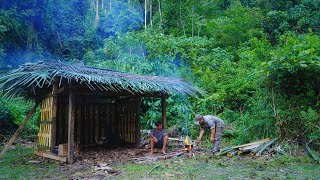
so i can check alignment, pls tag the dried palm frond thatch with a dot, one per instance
(31, 77)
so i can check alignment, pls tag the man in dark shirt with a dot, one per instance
(158, 138)
(215, 125)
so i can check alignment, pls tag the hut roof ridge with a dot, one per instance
(31, 76)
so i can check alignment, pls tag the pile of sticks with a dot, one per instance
(254, 148)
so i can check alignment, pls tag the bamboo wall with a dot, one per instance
(99, 121)
(44, 135)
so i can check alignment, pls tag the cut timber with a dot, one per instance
(253, 143)
(19, 129)
(265, 146)
(224, 151)
(244, 151)
(313, 155)
(255, 150)
(175, 139)
(63, 150)
(250, 147)
(51, 156)
(171, 155)
(232, 153)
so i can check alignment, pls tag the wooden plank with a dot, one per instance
(71, 128)
(51, 156)
(137, 121)
(19, 129)
(59, 124)
(54, 117)
(87, 124)
(250, 146)
(164, 111)
(82, 132)
(253, 143)
(97, 107)
(65, 123)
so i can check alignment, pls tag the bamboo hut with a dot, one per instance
(87, 106)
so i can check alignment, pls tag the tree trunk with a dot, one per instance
(151, 13)
(97, 14)
(192, 23)
(160, 14)
(181, 22)
(145, 14)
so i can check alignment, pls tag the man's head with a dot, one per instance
(158, 125)
(199, 119)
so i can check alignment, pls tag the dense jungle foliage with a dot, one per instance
(257, 60)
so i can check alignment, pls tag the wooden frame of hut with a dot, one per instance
(87, 106)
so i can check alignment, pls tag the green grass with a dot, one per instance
(16, 165)
(224, 168)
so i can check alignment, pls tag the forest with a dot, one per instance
(257, 62)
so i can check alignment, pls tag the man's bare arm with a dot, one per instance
(200, 135)
(213, 134)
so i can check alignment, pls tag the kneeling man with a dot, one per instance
(158, 138)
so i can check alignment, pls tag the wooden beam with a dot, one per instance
(164, 111)
(51, 156)
(137, 120)
(54, 117)
(253, 143)
(19, 129)
(71, 128)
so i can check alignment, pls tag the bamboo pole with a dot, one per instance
(19, 129)
(313, 155)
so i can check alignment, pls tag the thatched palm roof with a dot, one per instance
(31, 77)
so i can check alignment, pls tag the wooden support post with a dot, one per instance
(71, 128)
(164, 111)
(137, 120)
(54, 116)
(19, 129)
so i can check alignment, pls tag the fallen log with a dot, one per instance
(268, 144)
(312, 154)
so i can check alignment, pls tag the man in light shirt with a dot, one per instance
(215, 125)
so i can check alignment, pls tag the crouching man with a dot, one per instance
(158, 138)
(215, 125)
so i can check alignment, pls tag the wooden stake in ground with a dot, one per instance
(19, 129)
